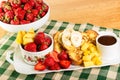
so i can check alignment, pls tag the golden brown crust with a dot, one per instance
(92, 35)
(57, 45)
(75, 54)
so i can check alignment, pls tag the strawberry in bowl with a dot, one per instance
(34, 46)
(16, 15)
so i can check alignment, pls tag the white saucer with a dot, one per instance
(23, 68)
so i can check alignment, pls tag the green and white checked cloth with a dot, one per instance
(7, 71)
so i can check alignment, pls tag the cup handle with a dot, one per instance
(8, 56)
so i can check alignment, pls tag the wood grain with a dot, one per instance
(104, 13)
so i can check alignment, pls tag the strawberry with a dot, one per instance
(6, 20)
(15, 3)
(45, 7)
(41, 34)
(17, 10)
(35, 12)
(56, 66)
(63, 55)
(49, 61)
(39, 7)
(7, 8)
(15, 21)
(34, 19)
(65, 64)
(24, 1)
(47, 40)
(27, 7)
(2, 16)
(39, 66)
(43, 47)
(4, 3)
(1, 10)
(32, 2)
(29, 16)
(54, 55)
(39, 38)
(39, 1)
(30, 47)
(42, 14)
(20, 13)
(9, 14)
(24, 22)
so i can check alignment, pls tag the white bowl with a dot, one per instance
(31, 58)
(35, 25)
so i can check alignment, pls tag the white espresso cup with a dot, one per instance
(108, 45)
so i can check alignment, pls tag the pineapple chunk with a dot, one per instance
(87, 52)
(85, 46)
(87, 58)
(31, 31)
(88, 63)
(97, 60)
(27, 40)
(19, 38)
(29, 37)
(24, 37)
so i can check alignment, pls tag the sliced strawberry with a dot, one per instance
(49, 61)
(30, 47)
(56, 66)
(54, 54)
(39, 66)
(63, 55)
(65, 64)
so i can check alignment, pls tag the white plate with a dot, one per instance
(23, 68)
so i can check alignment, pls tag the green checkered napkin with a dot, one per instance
(7, 71)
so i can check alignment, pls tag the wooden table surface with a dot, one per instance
(104, 13)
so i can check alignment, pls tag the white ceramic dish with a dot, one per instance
(35, 25)
(31, 58)
(23, 68)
